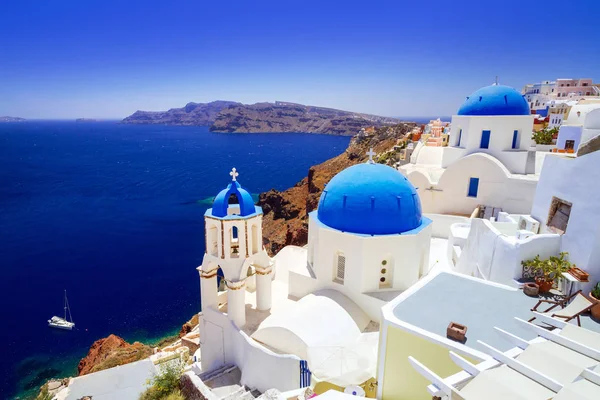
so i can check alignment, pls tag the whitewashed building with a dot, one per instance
(488, 160)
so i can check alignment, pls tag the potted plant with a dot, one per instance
(595, 293)
(548, 271)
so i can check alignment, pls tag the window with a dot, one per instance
(569, 144)
(340, 267)
(473, 187)
(386, 270)
(459, 137)
(558, 217)
(485, 139)
(515, 141)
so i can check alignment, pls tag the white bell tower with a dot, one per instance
(234, 244)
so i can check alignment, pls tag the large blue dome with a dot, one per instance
(371, 199)
(495, 100)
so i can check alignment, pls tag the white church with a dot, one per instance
(368, 242)
(488, 161)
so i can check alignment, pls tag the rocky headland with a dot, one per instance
(193, 114)
(228, 116)
(285, 214)
(110, 352)
(291, 117)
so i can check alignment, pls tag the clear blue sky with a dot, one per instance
(106, 59)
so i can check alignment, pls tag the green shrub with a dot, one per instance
(596, 291)
(545, 136)
(165, 384)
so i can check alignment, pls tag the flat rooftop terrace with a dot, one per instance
(479, 305)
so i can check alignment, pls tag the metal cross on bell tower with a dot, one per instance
(234, 174)
(371, 153)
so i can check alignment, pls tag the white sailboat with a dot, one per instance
(63, 323)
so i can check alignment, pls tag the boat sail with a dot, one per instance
(63, 323)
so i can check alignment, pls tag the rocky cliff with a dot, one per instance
(200, 114)
(228, 116)
(110, 352)
(291, 117)
(285, 220)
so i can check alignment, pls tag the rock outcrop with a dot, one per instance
(198, 114)
(110, 352)
(188, 326)
(285, 214)
(291, 117)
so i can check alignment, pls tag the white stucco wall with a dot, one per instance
(497, 187)
(569, 132)
(441, 223)
(406, 254)
(501, 136)
(261, 368)
(574, 180)
(494, 256)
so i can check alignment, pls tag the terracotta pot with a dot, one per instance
(531, 289)
(544, 285)
(596, 312)
(593, 299)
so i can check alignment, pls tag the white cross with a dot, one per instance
(371, 153)
(234, 174)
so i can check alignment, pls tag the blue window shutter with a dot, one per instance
(473, 187)
(485, 139)
(515, 137)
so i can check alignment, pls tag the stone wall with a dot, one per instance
(193, 388)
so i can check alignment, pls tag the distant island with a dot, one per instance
(227, 116)
(85, 120)
(11, 119)
(198, 114)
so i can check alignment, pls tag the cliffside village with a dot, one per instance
(463, 262)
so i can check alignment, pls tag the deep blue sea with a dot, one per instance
(114, 214)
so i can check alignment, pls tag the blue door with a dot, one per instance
(473, 187)
(515, 139)
(485, 139)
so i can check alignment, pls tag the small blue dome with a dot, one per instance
(371, 199)
(495, 100)
(221, 202)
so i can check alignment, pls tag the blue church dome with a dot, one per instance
(371, 199)
(221, 202)
(495, 100)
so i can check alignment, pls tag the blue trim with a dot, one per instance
(485, 139)
(515, 137)
(473, 187)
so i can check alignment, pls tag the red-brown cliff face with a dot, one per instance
(285, 219)
(110, 352)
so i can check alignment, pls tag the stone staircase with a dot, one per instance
(242, 393)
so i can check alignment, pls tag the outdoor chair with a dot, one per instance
(571, 307)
